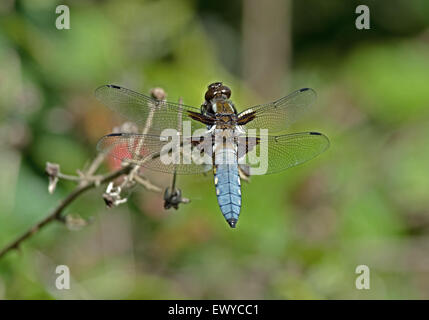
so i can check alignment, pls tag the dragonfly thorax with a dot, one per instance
(225, 120)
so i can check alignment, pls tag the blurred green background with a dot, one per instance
(301, 233)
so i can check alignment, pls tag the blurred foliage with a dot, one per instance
(301, 233)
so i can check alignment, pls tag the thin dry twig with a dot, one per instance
(55, 214)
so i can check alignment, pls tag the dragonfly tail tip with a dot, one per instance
(232, 222)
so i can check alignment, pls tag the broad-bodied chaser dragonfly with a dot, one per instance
(181, 139)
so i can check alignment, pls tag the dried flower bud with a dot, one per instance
(52, 170)
(112, 196)
(173, 199)
(75, 222)
(158, 93)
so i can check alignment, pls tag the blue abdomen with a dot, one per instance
(228, 189)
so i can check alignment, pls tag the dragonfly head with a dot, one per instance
(215, 92)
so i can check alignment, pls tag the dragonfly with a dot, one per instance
(233, 145)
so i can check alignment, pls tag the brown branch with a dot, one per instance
(55, 215)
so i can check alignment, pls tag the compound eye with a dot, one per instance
(215, 85)
(226, 91)
(209, 95)
(216, 89)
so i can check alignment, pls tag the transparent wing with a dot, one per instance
(157, 153)
(146, 112)
(279, 115)
(276, 153)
